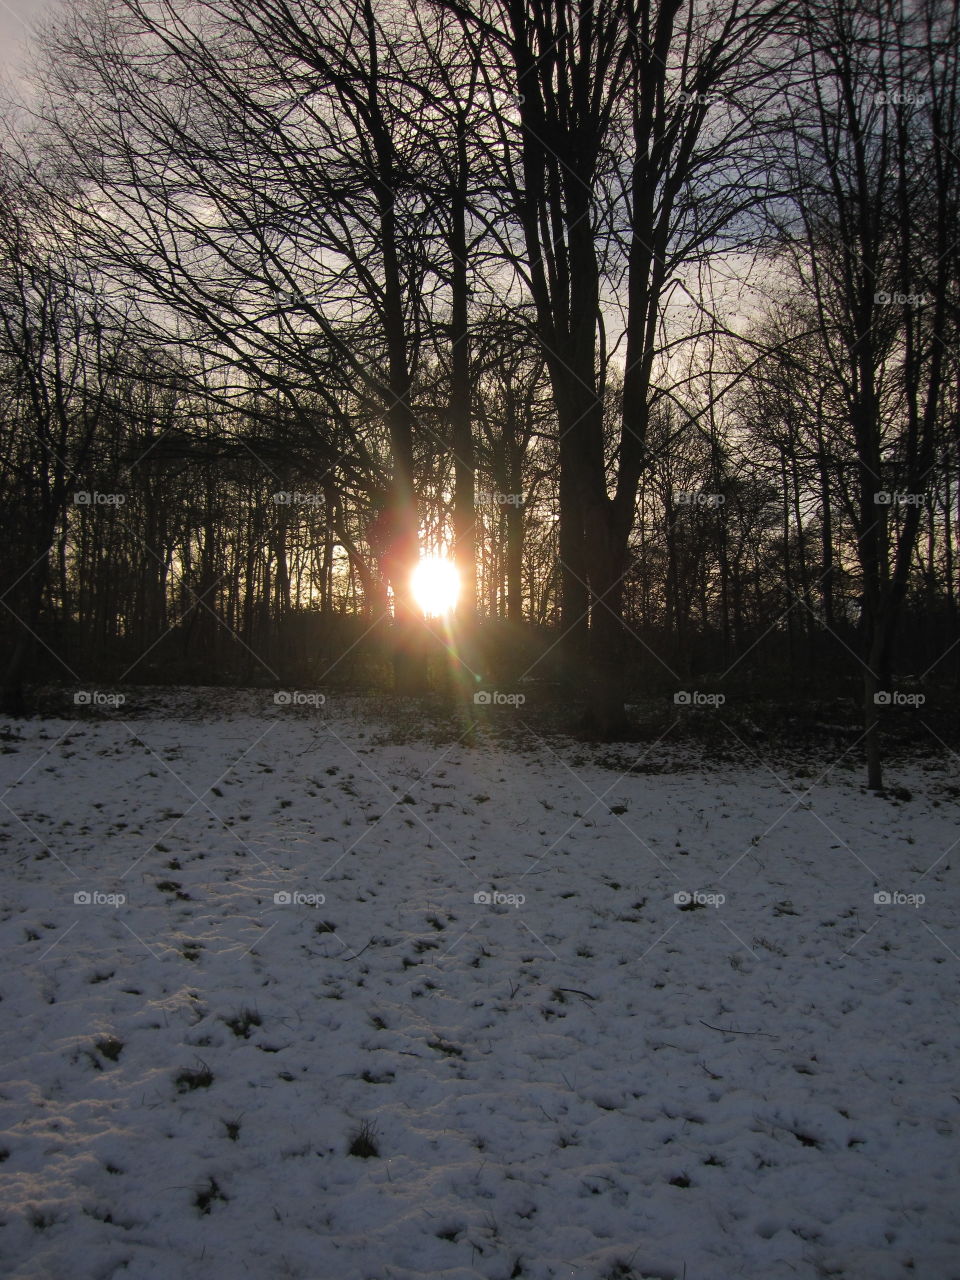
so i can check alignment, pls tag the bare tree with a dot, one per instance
(60, 351)
(630, 154)
(875, 171)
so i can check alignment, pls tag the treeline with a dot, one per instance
(645, 313)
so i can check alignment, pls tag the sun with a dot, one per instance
(436, 586)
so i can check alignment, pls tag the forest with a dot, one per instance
(643, 317)
(480, 640)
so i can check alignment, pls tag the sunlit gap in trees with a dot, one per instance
(435, 583)
(436, 587)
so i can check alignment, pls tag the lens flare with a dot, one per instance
(436, 586)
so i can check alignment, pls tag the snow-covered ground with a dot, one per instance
(582, 1078)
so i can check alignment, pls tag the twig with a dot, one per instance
(358, 953)
(732, 1031)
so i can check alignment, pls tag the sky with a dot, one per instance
(16, 18)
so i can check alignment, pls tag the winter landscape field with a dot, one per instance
(479, 639)
(301, 991)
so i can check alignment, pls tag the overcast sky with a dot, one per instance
(16, 17)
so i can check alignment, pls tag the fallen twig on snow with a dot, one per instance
(358, 953)
(734, 1032)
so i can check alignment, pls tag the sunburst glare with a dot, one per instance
(436, 586)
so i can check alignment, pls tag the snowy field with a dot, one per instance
(583, 1078)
